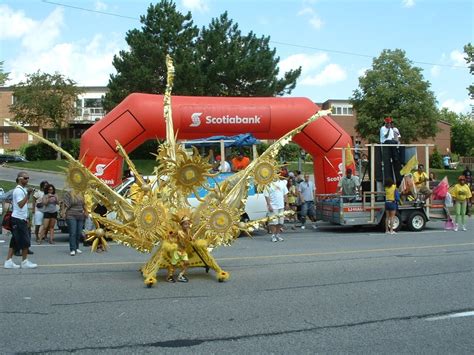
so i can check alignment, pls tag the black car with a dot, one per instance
(10, 158)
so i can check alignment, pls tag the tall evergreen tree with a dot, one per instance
(216, 61)
(236, 65)
(142, 68)
(393, 87)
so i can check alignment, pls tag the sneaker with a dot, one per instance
(26, 264)
(9, 264)
(464, 228)
(78, 251)
(17, 253)
(280, 239)
(73, 252)
(182, 278)
(30, 252)
(315, 226)
(170, 278)
(455, 228)
(303, 227)
(274, 239)
(393, 232)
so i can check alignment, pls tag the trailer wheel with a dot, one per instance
(416, 222)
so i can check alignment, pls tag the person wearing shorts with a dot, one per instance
(276, 196)
(37, 208)
(20, 225)
(390, 205)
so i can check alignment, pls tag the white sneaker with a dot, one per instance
(455, 228)
(73, 252)
(303, 227)
(280, 239)
(26, 264)
(78, 251)
(9, 264)
(274, 239)
(315, 226)
(464, 228)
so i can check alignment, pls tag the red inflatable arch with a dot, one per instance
(139, 118)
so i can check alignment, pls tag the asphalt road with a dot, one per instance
(327, 291)
(57, 179)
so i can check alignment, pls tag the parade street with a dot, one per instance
(332, 290)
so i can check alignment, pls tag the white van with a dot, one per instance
(256, 207)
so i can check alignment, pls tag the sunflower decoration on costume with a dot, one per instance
(186, 173)
(265, 172)
(77, 178)
(150, 218)
(220, 223)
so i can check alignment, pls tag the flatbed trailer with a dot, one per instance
(369, 209)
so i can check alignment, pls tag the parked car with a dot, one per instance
(11, 158)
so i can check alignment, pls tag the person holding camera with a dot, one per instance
(50, 213)
(21, 238)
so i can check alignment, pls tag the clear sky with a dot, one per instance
(333, 40)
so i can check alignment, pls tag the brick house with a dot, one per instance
(89, 110)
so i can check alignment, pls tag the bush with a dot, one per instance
(40, 151)
(436, 160)
(72, 146)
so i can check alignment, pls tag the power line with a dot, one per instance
(271, 41)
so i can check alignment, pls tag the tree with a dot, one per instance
(469, 50)
(235, 65)
(216, 61)
(143, 67)
(393, 87)
(3, 76)
(45, 100)
(462, 132)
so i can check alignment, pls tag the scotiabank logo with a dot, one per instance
(195, 119)
(224, 120)
(221, 119)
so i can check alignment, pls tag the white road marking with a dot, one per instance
(454, 315)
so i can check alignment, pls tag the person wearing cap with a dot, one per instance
(240, 162)
(21, 238)
(349, 186)
(388, 133)
(461, 193)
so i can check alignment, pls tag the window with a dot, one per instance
(6, 138)
(51, 134)
(342, 110)
(93, 103)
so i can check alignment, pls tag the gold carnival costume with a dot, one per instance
(151, 224)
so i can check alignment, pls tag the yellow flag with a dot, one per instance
(349, 156)
(410, 165)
